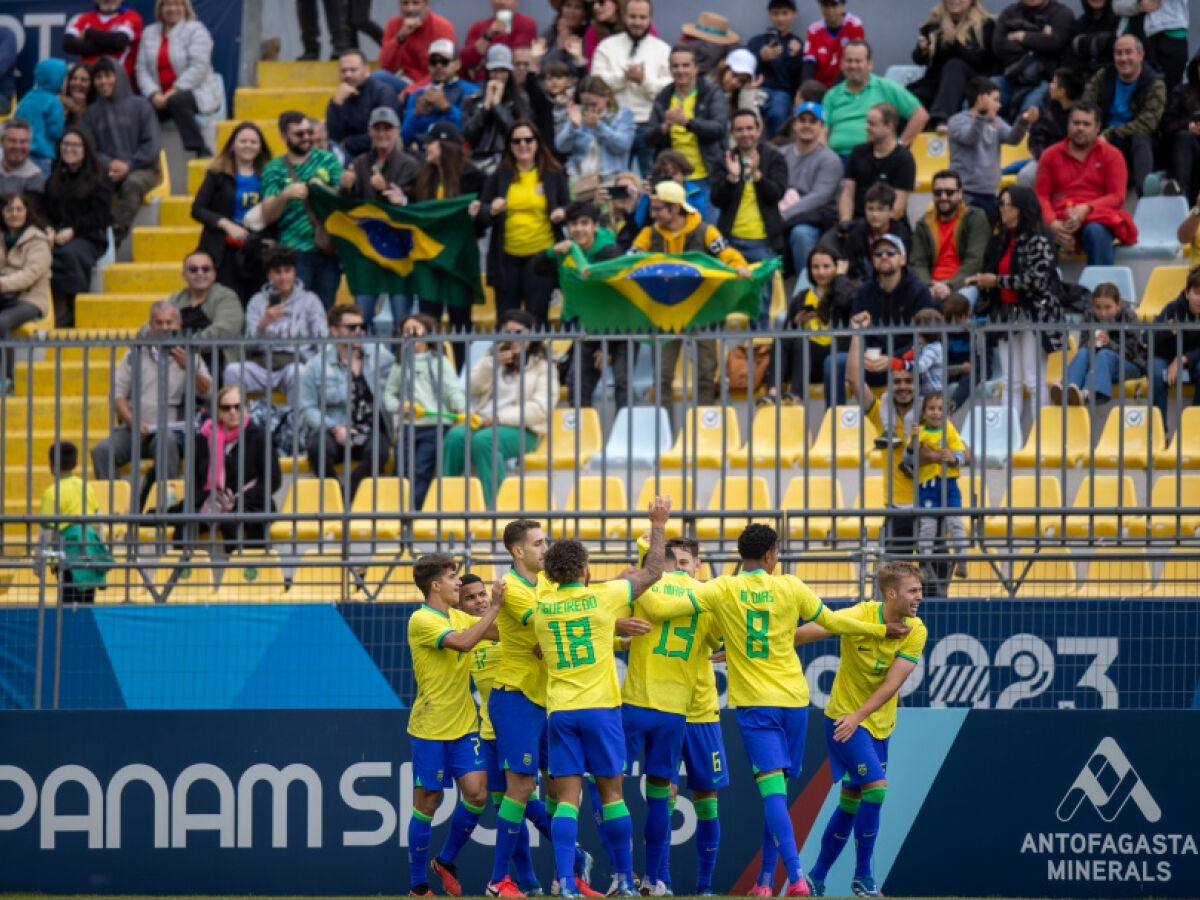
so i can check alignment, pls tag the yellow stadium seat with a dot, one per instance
(160, 278)
(1119, 573)
(1038, 576)
(23, 585)
(931, 151)
(194, 579)
(1131, 435)
(519, 496)
(709, 436)
(314, 502)
(1009, 154)
(1164, 285)
(161, 497)
(1104, 491)
(385, 496)
(1055, 361)
(575, 436)
(735, 492)
(163, 188)
(196, 170)
(266, 104)
(830, 578)
(269, 127)
(1179, 577)
(321, 579)
(1058, 434)
(165, 244)
(870, 496)
(175, 212)
(1027, 491)
(314, 73)
(777, 433)
(985, 577)
(1175, 500)
(677, 487)
(115, 310)
(844, 438)
(251, 577)
(594, 493)
(814, 493)
(449, 494)
(67, 376)
(1184, 450)
(389, 580)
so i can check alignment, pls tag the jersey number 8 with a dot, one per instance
(757, 623)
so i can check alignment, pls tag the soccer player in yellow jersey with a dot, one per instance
(757, 614)
(576, 623)
(443, 725)
(861, 716)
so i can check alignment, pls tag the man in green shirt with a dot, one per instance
(846, 104)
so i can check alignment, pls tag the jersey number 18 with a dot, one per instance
(573, 642)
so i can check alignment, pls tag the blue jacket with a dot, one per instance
(42, 108)
(414, 126)
(614, 133)
(325, 385)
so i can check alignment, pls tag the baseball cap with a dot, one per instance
(673, 192)
(742, 62)
(444, 48)
(812, 108)
(499, 57)
(891, 240)
(383, 115)
(442, 131)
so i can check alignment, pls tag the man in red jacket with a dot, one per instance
(111, 29)
(406, 40)
(1081, 186)
(507, 27)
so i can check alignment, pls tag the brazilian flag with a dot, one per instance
(427, 249)
(657, 291)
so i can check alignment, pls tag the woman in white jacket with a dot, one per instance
(175, 73)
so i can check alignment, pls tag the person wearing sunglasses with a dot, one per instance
(441, 100)
(408, 41)
(950, 239)
(207, 309)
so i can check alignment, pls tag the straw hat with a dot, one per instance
(712, 28)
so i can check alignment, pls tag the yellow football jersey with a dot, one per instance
(661, 674)
(444, 709)
(485, 659)
(705, 704)
(932, 438)
(865, 664)
(575, 624)
(520, 669)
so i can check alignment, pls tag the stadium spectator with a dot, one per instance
(1081, 185)
(855, 238)
(598, 134)
(1133, 98)
(1066, 88)
(780, 55)
(668, 165)
(1177, 351)
(826, 41)
(755, 180)
(939, 453)
(78, 210)
(636, 65)
(927, 356)
(69, 497)
(954, 44)
(505, 28)
(358, 19)
(710, 38)
(513, 388)
(678, 227)
(1164, 27)
(348, 115)
(1090, 38)
(1181, 131)
(1028, 41)
(737, 77)
(77, 93)
(321, 141)
(128, 143)
(555, 87)
(285, 181)
(1020, 285)
(8, 69)
(809, 205)
(442, 97)
(604, 22)
(489, 113)
(18, 173)
(975, 139)
(283, 314)
(206, 309)
(622, 200)
(339, 407)
(524, 202)
(175, 73)
(950, 240)
(848, 103)
(155, 377)
(424, 390)
(43, 110)
(963, 355)
(882, 159)
(232, 186)
(408, 40)
(310, 27)
(1188, 232)
(691, 116)
(111, 30)
(1107, 356)
(25, 262)
(562, 41)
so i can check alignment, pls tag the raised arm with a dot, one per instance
(484, 629)
(652, 567)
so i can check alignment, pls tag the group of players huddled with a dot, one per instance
(540, 646)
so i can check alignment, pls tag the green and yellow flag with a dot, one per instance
(428, 249)
(657, 291)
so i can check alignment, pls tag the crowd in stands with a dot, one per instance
(603, 133)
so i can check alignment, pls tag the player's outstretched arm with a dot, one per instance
(835, 623)
(484, 629)
(846, 725)
(810, 633)
(652, 567)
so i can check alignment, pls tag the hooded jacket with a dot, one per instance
(1146, 103)
(1165, 345)
(1183, 106)
(25, 268)
(42, 109)
(894, 309)
(124, 127)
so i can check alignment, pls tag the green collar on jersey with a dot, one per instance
(522, 578)
(444, 615)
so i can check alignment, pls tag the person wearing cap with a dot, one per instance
(881, 159)
(636, 65)
(737, 76)
(357, 96)
(780, 55)
(749, 194)
(489, 113)
(678, 228)
(847, 103)
(809, 204)
(442, 97)
(408, 40)
(826, 39)
(506, 28)
(710, 38)
(690, 116)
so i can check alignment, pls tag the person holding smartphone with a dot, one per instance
(780, 55)
(506, 27)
